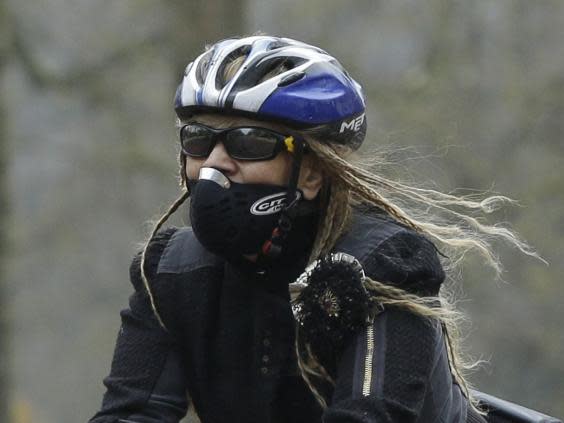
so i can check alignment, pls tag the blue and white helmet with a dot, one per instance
(309, 89)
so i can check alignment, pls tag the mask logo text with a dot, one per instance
(269, 205)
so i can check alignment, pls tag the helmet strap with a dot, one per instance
(272, 248)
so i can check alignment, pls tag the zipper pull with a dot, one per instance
(374, 310)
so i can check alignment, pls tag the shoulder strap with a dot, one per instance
(365, 234)
(184, 253)
(152, 257)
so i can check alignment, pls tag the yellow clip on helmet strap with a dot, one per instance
(290, 146)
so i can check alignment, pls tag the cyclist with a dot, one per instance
(307, 288)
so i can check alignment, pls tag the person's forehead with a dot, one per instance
(229, 121)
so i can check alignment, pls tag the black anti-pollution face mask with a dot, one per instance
(231, 219)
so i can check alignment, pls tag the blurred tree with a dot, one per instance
(199, 21)
(4, 330)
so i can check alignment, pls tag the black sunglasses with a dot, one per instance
(241, 143)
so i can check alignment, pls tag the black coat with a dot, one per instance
(230, 340)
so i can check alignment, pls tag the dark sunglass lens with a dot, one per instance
(196, 141)
(252, 144)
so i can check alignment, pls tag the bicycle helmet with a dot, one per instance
(280, 80)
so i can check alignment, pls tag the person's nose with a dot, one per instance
(220, 160)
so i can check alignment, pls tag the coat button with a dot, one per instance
(265, 358)
(264, 370)
(266, 342)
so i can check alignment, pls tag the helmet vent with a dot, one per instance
(203, 67)
(290, 79)
(262, 70)
(277, 66)
(277, 44)
(230, 65)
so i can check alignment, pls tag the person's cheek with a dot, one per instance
(193, 167)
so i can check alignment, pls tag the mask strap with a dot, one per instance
(272, 248)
